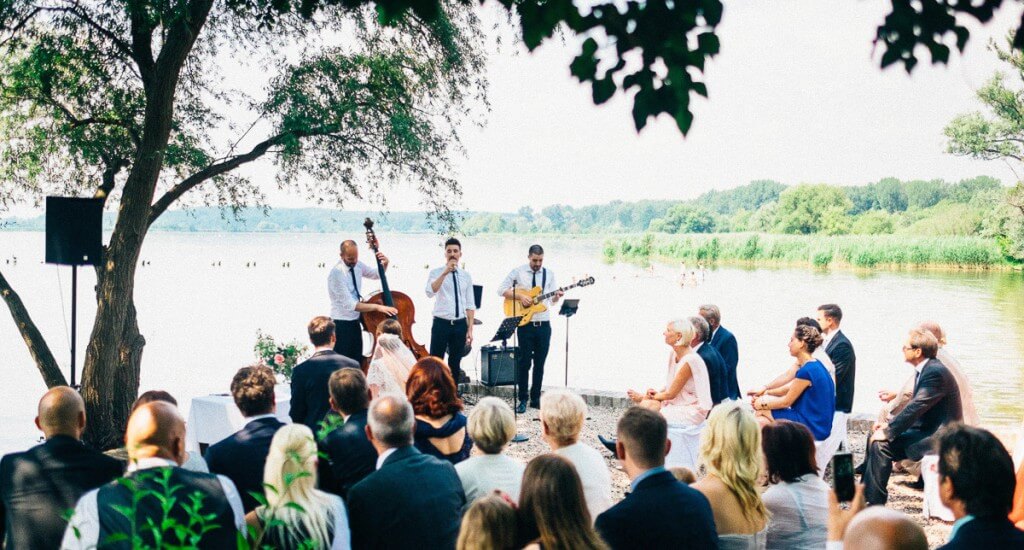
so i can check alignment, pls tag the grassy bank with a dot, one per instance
(861, 251)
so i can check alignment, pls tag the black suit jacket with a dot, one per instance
(310, 392)
(936, 402)
(660, 513)
(725, 343)
(413, 501)
(241, 457)
(840, 351)
(39, 485)
(716, 372)
(986, 532)
(350, 456)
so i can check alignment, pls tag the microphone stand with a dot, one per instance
(518, 438)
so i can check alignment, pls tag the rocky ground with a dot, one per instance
(601, 420)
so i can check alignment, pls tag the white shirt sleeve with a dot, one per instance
(342, 533)
(235, 500)
(434, 274)
(83, 530)
(369, 272)
(467, 291)
(507, 283)
(552, 285)
(342, 298)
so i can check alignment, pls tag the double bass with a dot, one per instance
(398, 300)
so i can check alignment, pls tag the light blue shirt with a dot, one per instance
(653, 471)
(958, 524)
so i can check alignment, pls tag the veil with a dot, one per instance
(391, 363)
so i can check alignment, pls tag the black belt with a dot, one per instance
(336, 321)
(453, 322)
(537, 323)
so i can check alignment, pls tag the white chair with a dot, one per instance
(932, 506)
(685, 449)
(823, 450)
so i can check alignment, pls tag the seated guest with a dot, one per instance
(686, 398)
(193, 461)
(242, 455)
(790, 373)
(723, 341)
(350, 455)
(561, 419)
(296, 514)
(413, 500)
(492, 426)
(797, 498)
(658, 512)
(39, 485)
(489, 524)
(391, 362)
(440, 425)
(936, 402)
(730, 449)
(810, 398)
(552, 512)
(309, 378)
(155, 439)
(953, 364)
(712, 359)
(976, 482)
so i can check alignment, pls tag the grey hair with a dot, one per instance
(701, 326)
(391, 419)
(711, 311)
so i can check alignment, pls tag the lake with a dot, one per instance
(200, 308)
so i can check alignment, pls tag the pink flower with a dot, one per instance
(279, 359)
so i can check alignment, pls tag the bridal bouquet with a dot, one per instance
(280, 357)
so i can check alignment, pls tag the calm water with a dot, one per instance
(200, 320)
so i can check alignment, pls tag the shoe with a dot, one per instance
(608, 443)
(521, 408)
(918, 485)
(534, 404)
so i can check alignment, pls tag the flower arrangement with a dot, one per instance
(280, 357)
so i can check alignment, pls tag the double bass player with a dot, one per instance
(344, 285)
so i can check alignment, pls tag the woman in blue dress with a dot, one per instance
(810, 398)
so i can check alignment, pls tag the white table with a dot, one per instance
(211, 418)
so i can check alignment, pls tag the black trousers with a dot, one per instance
(349, 339)
(534, 342)
(449, 337)
(879, 458)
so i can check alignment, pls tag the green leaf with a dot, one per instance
(603, 90)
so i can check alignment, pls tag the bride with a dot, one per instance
(391, 362)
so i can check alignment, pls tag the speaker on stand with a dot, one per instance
(74, 237)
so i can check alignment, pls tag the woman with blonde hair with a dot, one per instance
(491, 426)
(552, 512)
(389, 368)
(296, 514)
(489, 524)
(730, 449)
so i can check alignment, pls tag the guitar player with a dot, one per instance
(535, 336)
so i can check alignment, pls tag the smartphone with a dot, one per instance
(842, 476)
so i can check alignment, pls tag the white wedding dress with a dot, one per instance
(390, 366)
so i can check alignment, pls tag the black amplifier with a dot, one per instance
(498, 365)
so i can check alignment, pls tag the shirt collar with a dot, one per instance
(697, 347)
(150, 462)
(958, 524)
(653, 471)
(920, 366)
(384, 456)
(252, 419)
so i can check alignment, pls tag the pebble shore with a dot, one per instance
(601, 419)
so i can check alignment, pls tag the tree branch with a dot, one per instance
(37, 346)
(17, 28)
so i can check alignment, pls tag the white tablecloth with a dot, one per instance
(214, 417)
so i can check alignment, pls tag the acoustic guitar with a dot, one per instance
(515, 308)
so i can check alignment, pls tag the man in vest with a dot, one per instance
(155, 440)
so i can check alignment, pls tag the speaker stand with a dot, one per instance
(74, 320)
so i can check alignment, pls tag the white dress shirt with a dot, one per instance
(86, 519)
(523, 276)
(384, 456)
(444, 305)
(345, 296)
(594, 474)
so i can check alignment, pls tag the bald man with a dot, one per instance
(344, 286)
(879, 528)
(39, 485)
(155, 441)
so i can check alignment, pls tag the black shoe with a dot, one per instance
(918, 485)
(534, 404)
(521, 408)
(608, 443)
(859, 470)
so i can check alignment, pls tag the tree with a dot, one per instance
(925, 194)
(685, 218)
(807, 209)
(890, 196)
(127, 94)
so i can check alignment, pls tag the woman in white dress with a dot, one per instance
(391, 362)
(686, 398)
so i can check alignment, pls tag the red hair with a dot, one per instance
(431, 388)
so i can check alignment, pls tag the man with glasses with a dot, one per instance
(935, 403)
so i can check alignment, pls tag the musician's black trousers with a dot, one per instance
(349, 336)
(534, 341)
(446, 337)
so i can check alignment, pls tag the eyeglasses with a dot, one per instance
(908, 348)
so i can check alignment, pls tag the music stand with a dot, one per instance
(506, 329)
(569, 308)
